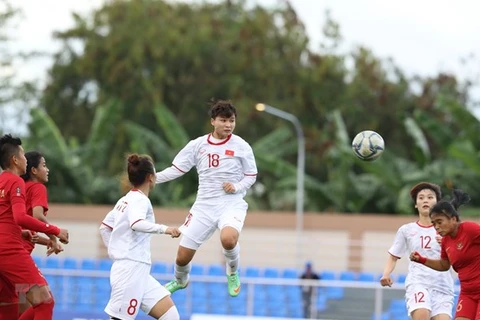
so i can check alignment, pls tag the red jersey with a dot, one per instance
(36, 196)
(13, 215)
(463, 252)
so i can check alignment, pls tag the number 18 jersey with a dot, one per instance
(414, 237)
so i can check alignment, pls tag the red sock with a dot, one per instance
(41, 311)
(9, 311)
(28, 314)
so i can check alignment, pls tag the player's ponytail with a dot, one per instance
(459, 198)
(138, 167)
(449, 208)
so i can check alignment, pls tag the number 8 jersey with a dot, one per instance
(414, 237)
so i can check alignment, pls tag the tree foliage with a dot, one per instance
(135, 75)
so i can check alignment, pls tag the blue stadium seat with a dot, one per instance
(39, 261)
(105, 264)
(199, 307)
(271, 273)
(252, 272)
(197, 269)
(290, 273)
(88, 264)
(159, 267)
(367, 277)
(52, 263)
(347, 276)
(321, 302)
(383, 316)
(216, 270)
(70, 263)
(401, 278)
(335, 293)
(327, 275)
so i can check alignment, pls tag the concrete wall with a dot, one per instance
(331, 241)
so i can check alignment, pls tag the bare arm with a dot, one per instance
(435, 264)
(387, 270)
(39, 214)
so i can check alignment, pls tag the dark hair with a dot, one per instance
(425, 185)
(222, 108)
(449, 208)
(138, 167)
(9, 147)
(33, 161)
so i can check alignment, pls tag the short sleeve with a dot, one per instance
(185, 159)
(109, 219)
(39, 198)
(399, 246)
(472, 229)
(137, 209)
(248, 161)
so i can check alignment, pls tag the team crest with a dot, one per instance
(18, 191)
(459, 246)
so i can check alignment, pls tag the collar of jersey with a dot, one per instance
(218, 143)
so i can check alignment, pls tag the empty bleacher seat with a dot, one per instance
(70, 263)
(105, 264)
(159, 267)
(216, 270)
(290, 273)
(271, 273)
(38, 261)
(52, 263)
(327, 275)
(366, 277)
(88, 264)
(347, 276)
(196, 269)
(401, 278)
(252, 272)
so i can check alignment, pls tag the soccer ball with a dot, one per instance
(368, 145)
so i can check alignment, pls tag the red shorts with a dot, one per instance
(468, 307)
(18, 273)
(7, 292)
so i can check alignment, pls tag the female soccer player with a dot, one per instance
(37, 199)
(132, 223)
(226, 170)
(460, 249)
(429, 294)
(18, 272)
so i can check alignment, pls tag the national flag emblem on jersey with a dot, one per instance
(18, 191)
(229, 153)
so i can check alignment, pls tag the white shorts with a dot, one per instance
(133, 288)
(206, 217)
(420, 297)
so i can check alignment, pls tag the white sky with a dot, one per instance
(422, 36)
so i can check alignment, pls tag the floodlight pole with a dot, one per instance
(299, 207)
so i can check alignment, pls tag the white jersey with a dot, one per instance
(126, 243)
(413, 237)
(217, 162)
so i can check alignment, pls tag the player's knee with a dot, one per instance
(229, 240)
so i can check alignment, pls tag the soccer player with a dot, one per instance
(226, 170)
(429, 294)
(132, 223)
(460, 249)
(37, 198)
(18, 272)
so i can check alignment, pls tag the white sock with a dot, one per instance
(231, 259)
(171, 314)
(182, 273)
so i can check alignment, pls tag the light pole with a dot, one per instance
(300, 168)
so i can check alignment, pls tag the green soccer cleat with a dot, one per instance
(233, 284)
(173, 286)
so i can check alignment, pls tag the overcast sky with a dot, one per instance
(423, 36)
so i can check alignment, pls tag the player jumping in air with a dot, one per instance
(226, 170)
